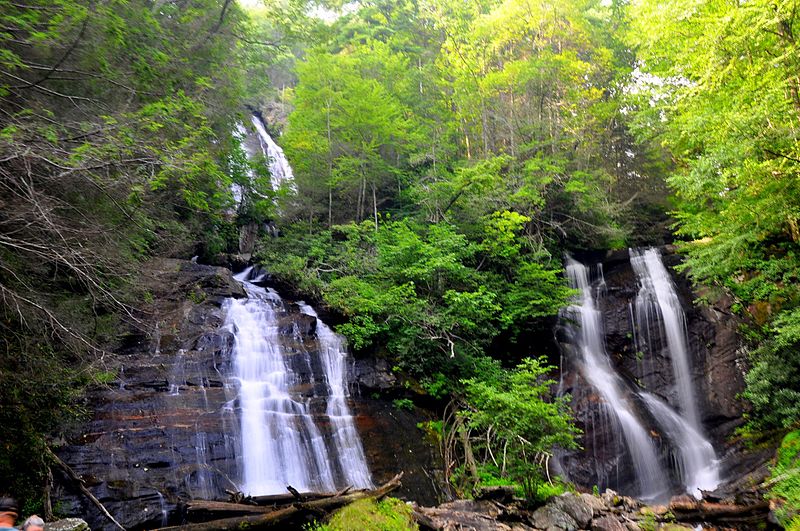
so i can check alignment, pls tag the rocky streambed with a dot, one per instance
(496, 510)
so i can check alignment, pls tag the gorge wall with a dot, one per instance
(158, 434)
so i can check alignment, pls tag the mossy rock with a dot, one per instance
(389, 514)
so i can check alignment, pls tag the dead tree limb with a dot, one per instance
(77, 479)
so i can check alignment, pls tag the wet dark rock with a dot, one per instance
(373, 374)
(500, 493)
(394, 440)
(298, 323)
(247, 238)
(164, 431)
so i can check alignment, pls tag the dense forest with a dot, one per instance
(446, 156)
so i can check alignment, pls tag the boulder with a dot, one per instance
(607, 523)
(374, 374)
(464, 516)
(67, 524)
(472, 506)
(575, 506)
(551, 518)
(595, 502)
(499, 493)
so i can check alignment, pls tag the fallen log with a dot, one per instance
(274, 517)
(685, 510)
(204, 510)
(284, 499)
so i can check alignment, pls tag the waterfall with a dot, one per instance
(345, 437)
(204, 482)
(662, 325)
(281, 444)
(696, 461)
(597, 370)
(279, 170)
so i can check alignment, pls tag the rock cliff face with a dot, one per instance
(717, 370)
(164, 431)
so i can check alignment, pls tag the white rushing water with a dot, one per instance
(696, 461)
(662, 325)
(280, 443)
(279, 169)
(333, 357)
(597, 370)
(661, 322)
(280, 172)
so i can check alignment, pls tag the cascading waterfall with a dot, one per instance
(280, 172)
(280, 443)
(279, 169)
(666, 445)
(597, 370)
(661, 324)
(345, 437)
(696, 460)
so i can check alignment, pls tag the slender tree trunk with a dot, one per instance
(46, 498)
(466, 138)
(330, 167)
(511, 125)
(375, 206)
(469, 457)
(484, 128)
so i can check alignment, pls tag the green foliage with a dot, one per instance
(431, 296)
(513, 404)
(723, 100)
(404, 404)
(785, 479)
(459, 113)
(773, 382)
(388, 514)
(521, 424)
(115, 144)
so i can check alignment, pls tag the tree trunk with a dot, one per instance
(79, 481)
(330, 167)
(375, 206)
(690, 510)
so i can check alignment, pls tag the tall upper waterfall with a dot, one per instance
(282, 441)
(279, 170)
(261, 143)
(639, 441)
